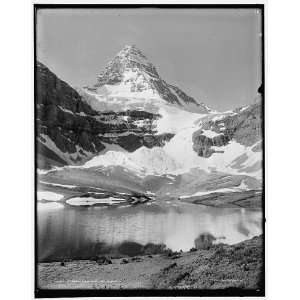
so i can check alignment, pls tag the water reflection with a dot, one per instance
(82, 232)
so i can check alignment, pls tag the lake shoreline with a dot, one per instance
(217, 267)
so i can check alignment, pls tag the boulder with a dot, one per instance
(103, 260)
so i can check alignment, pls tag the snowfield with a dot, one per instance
(174, 119)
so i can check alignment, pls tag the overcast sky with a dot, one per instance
(212, 55)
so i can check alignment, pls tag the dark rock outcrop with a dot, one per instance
(202, 144)
(132, 142)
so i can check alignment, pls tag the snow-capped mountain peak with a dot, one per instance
(130, 75)
(132, 53)
(129, 63)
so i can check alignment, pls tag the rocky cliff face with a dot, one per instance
(243, 125)
(129, 58)
(70, 132)
(66, 127)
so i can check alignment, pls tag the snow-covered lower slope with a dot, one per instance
(143, 161)
(179, 158)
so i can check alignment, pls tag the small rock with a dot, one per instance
(124, 261)
(103, 260)
(166, 269)
(172, 254)
(136, 259)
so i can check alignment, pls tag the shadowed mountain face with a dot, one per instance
(66, 126)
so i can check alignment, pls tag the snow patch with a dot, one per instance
(83, 201)
(209, 133)
(126, 133)
(149, 193)
(66, 110)
(59, 185)
(175, 119)
(49, 196)
(242, 187)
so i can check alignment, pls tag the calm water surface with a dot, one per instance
(80, 232)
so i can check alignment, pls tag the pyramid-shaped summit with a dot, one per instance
(129, 59)
(131, 74)
(132, 53)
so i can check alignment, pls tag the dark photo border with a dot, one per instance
(58, 293)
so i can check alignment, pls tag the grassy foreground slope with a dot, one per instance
(218, 267)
